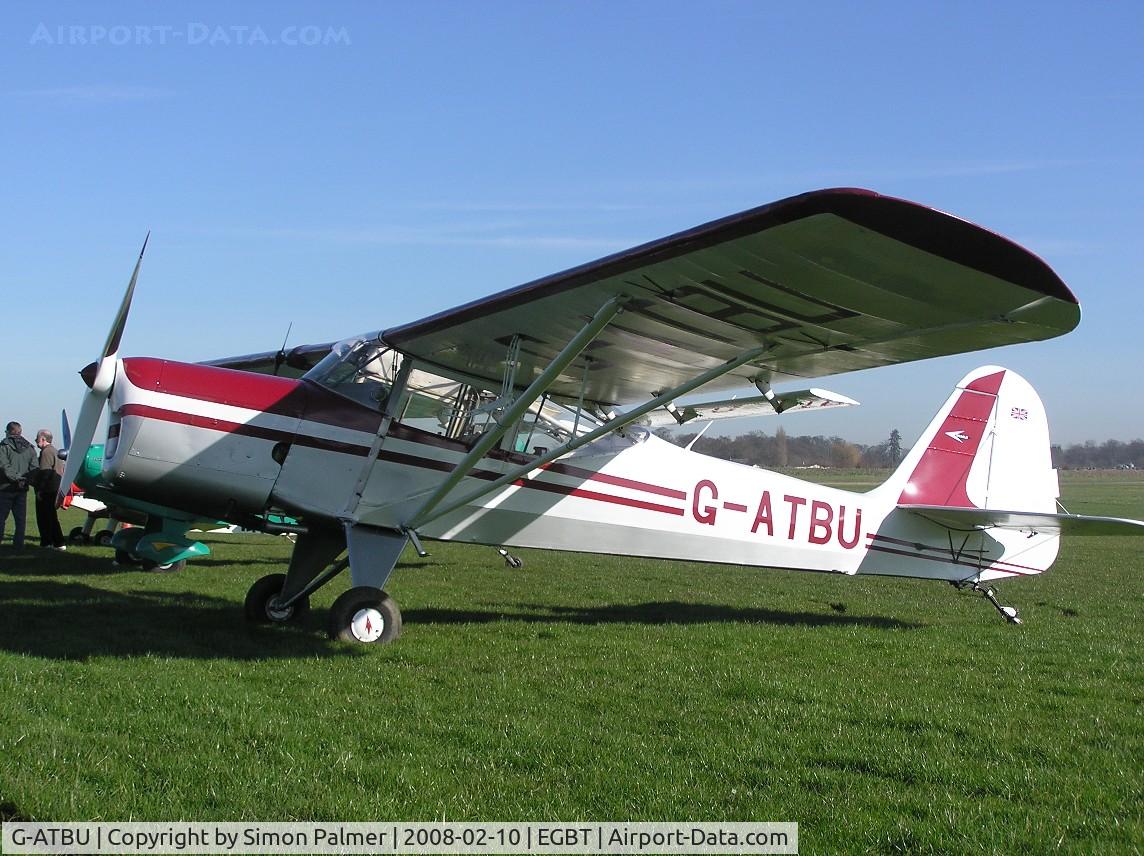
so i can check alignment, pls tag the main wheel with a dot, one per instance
(262, 607)
(127, 558)
(168, 568)
(365, 615)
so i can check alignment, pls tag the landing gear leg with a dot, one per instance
(281, 598)
(366, 614)
(1009, 612)
(509, 559)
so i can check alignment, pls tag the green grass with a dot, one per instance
(883, 716)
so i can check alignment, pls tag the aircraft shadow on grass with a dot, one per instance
(71, 620)
(37, 562)
(656, 612)
(75, 621)
(10, 813)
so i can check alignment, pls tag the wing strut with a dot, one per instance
(423, 516)
(517, 409)
(389, 412)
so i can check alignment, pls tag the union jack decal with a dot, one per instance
(1019, 413)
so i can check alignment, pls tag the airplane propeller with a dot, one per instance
(65, 435)
(99, 377)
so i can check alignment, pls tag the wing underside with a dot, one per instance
(795, 401)
(831, 281)
(828, 282)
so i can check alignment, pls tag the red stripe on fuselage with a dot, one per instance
(413, 435)
(304, 399)
(398, 458)
(277, 395)
(618, 481)
(598, 497)
(225, 386)
(242, 429)
(949, 560)
(416, 435)
(917, 548)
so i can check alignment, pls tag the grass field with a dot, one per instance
(882, 716)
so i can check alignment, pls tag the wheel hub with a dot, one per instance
(367, 625)
(278, 613)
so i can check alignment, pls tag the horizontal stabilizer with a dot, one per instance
(962, 519)
(755, 405)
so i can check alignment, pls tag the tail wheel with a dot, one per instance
(262, 602)
(365, 615)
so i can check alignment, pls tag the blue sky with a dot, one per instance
(346, 167)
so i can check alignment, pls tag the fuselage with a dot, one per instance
(230, 444)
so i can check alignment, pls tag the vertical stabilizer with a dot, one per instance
(988, 447)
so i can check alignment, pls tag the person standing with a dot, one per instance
(47, 486)
(17, 466)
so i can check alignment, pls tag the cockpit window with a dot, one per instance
(364, 370)
(359, 368)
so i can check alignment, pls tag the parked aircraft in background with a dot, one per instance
(514, 420)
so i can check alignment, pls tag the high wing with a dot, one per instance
(964, 519)
(754, 405)
(830, 281)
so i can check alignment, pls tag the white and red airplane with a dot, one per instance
(516, 420)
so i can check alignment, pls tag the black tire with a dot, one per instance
(357, 613)
(77, 536)
(261, 603)
(126, 559)
(103, 538)
(168, 568)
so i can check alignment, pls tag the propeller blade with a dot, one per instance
(89, 413)
(111, 346)
(100, 384)
(65, 434)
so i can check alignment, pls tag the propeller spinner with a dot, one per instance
(99, 377)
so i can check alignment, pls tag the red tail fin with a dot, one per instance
(988, 447)
(939, 476)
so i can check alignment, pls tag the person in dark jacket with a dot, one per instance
(17, 468)
(47, 485)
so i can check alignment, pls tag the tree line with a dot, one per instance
(1109, 455)
(780, 450)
